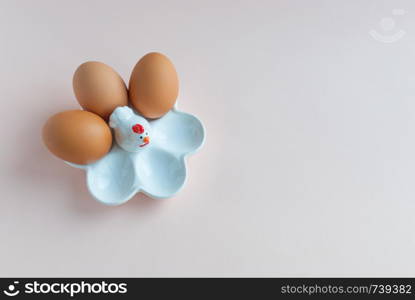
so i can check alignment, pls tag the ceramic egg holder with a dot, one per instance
(147, 156)
(133, 154)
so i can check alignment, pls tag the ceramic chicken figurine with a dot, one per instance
(132, 132)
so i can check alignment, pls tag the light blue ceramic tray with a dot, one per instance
(158, 170)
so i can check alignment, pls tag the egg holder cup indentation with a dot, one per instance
(159, 170)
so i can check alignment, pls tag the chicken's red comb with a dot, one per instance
(138, 128)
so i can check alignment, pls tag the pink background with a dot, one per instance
(308, 166)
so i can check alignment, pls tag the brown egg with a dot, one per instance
(153, 86)
(99, 88)
(77, 136)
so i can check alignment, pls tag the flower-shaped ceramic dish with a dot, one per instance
(158, 171)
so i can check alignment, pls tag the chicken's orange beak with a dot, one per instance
(146, 140)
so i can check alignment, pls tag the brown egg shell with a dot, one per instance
(77, 136)
(153, 86)
(99, 89)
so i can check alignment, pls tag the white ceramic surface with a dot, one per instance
(158, 169)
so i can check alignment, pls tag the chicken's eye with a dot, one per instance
(146, 133)
(141, 137)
